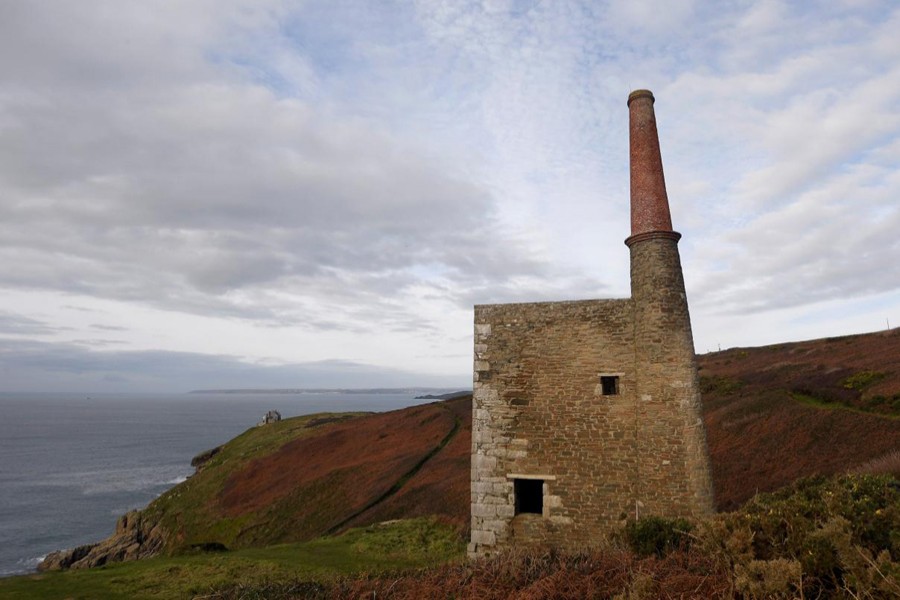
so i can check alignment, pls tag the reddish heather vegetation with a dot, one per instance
(777, 413)
(337, 477)
(441, 487)
(819, 538)
(608, 573)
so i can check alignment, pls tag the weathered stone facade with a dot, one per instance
(586, 412)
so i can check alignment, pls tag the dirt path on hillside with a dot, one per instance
(405, 477)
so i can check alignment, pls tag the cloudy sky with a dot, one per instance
(226, 193)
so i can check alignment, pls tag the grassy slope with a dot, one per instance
(407, 544)
(295, 480)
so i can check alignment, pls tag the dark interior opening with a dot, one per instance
(529, 496)
(609, 384)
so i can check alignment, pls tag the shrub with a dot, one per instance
(863, 379)
(777, 578)
(833, 528)
(725, 386)
(658, 536)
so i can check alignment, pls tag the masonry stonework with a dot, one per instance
(541, 411)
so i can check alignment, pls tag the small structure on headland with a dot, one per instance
(273, 416)
(585, 412)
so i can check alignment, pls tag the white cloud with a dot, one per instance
(650, 16)
(291, 182)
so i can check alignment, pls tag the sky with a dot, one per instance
(266, 193)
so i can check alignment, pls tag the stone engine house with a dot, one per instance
(588, 411)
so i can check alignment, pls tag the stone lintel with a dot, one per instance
(530, 476)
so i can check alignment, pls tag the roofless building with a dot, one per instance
(587, 411)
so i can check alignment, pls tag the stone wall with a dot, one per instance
(598, 400)
(675, 479)
(539, 413)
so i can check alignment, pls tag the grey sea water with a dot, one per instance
(70, 465)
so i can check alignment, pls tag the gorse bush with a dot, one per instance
(842, 534)
(658, 536)
(869, 505)
(862, 380)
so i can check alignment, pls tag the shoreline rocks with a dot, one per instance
(135, 538)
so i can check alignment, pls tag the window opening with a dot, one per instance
(529, 496)
(610, 385)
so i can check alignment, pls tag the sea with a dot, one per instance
(71, 464)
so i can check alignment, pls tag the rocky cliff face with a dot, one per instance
(135, 537)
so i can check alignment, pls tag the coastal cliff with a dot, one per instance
(135, 537)
(299, 479)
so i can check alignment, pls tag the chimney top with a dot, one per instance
(649, 202)
(640, 94)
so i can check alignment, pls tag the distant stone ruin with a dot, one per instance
(587, 412)
(273, 416)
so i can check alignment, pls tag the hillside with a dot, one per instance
(302, 478)
(776, 413)
(773, 414)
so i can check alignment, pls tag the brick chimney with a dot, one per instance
(667, 384)
(649, 202)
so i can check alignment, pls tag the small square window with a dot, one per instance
(529, 496)
(609, 385)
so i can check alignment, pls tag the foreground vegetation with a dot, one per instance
(388, 547)
(820, 538)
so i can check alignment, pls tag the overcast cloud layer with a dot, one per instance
(315, 193)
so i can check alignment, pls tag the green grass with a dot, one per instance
(392, 546)
(818, 403)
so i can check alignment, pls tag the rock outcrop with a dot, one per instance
(135, 537)
(199, 461)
